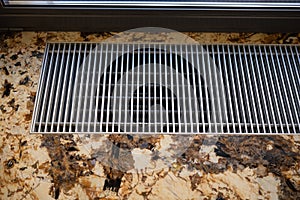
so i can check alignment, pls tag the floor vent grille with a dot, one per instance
(168, 88)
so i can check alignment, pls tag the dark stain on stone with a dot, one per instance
(287, 189)
(8, 35)
(72, 148)
(284, 38)
(63, 170)
(35, 165)
(14, 57)
(4, 36)
(39, 41)
(234, 39)
(106, 34)
(84, 35)
(195, 181)
(24, 81)
(18, 64)
(220, 197)
(290, 185)
(22, 72)
(11, 104)
(192, 152)
(248, 151)
(144, 178)
(56, 193)
(221, 153)
(129, 142)
(2, 56)
(183, 156)
(112, 184)
(10, 163)
(28, 117)
(37, 54)
(145, 145)
(2, 108)
(32, 97)
(119, 159)
(24, 143)
(280, 158)
(17, 107)
(23, 168)
(129, 137)
(7, 88)
(6, 72)
(113, 179)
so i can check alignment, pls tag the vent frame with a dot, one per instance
(270, 57)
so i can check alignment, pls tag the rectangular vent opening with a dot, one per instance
(168, 88)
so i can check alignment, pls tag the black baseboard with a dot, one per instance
(91, 19)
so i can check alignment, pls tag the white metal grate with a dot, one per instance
(168, 88)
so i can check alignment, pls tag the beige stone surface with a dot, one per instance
(79, 167)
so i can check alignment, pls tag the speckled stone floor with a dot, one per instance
(85, 167)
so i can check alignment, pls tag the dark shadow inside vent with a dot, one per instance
(128, 62)
(166, 103)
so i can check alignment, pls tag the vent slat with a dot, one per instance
(259, 115)
(168, 88)
(236, 103)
